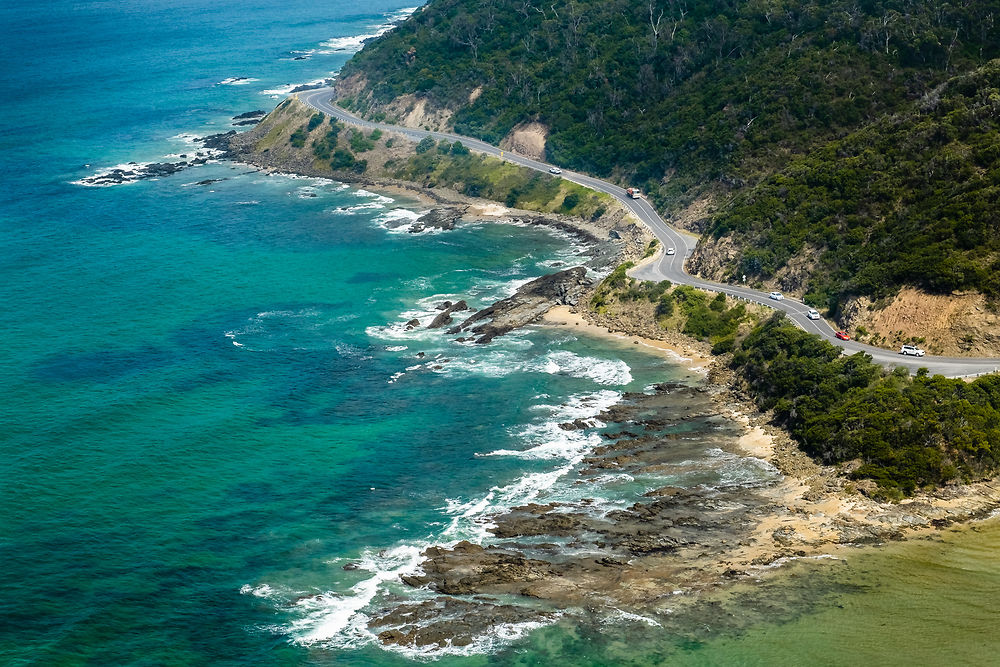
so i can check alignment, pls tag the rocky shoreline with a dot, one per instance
(677, 542)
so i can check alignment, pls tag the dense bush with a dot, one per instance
(906, 432)
(426, 144)
(704, 318)
(315, 121)
(360, 143)
(298, 137)
(323, 148)
(671, 95)
(909, 200)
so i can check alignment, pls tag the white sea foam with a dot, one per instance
(337, 620)
(399, 220)
(286, 89)
(130, 173)
(382, 199)
(259, 591)
(395, 348)
(491, 641)
(350, 43)
(353, 43)
(546, 440)
(237, 81)
(501, 363)
(357, 208)
(621, 616)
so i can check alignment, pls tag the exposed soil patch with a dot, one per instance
(527, 139)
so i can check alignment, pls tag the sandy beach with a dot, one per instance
(563, 316)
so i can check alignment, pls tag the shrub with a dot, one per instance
(315, 121)
(342, 159)
(360, 143)
(298, 137)
(426, 144)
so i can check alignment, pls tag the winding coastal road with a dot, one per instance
(671, 267)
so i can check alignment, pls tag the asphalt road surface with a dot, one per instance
(671, 267)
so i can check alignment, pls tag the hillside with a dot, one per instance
(296, 138)
(907, 200)
(668, 95)
(840, 151)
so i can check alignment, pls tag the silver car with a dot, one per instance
(776, 296)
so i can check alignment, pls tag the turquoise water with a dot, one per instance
(208, 400)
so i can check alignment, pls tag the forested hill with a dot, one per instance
(911, 199)
(684, 98)
(670, 94)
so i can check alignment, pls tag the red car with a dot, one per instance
(842, 335)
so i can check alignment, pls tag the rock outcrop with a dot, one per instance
(444, 318)
(526, 305)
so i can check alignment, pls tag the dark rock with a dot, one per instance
(527, 305)
(577, 424)
(445, 621)
(252, 121)
(259, 113)
(444, 318)
(311, 86)
(412, 324)
(556, 524)
(438, 218)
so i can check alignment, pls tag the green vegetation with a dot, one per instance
(617, 281)
(452, 165)
(315, 121)
(426, 144)
(360, 143)
(672, 95)
(909, 200)
(907, 433)
(323, 148)
(697, 314)
(860, 134)
(298, 137)
(708, 319)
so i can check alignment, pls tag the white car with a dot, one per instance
(911, 350)
(555, 170)
(813, 314)
(670, 251)
(776, 296)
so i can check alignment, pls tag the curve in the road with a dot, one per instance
(671, 267)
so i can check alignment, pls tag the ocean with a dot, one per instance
(211, 404)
